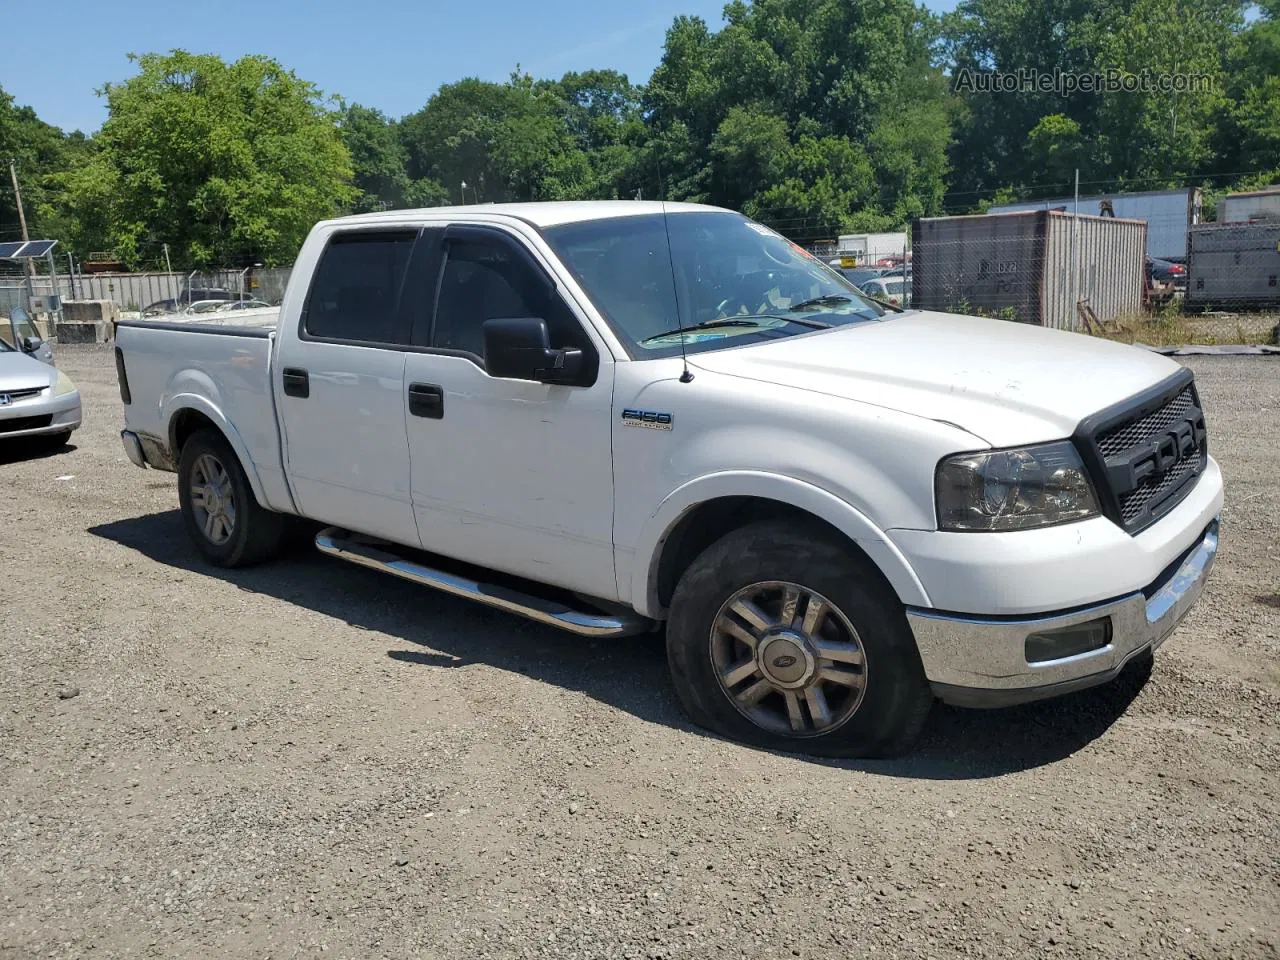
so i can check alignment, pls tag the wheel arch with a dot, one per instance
(702, 511)
(189, 413)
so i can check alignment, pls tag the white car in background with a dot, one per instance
(894, 290)
(36, 398)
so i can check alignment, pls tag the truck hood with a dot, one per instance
(21, 372)
(1006, 383)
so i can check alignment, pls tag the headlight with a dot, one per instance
(1014, 489)
(63, 385)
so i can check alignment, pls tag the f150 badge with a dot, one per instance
(646, 418)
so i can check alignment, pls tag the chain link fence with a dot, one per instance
(139, 291)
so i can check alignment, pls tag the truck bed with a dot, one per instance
(219, 369)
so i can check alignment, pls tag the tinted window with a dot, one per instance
(717, 266)
(490, 280)
(356, 290)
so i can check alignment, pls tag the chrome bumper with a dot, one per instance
(981, 661)
(132, 448)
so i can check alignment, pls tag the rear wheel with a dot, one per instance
(224, 520)
(779, 636)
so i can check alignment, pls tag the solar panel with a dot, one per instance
(7, 250)
(36, 248)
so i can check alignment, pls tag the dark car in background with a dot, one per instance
(1166, 273)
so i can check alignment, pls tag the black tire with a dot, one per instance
(895, 698)
(256, 532)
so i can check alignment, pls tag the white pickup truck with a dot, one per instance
(614, 416)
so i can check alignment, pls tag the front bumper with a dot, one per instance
(40, 416)
(975, 661)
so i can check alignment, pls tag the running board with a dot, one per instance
(353, 548)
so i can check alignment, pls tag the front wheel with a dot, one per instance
(780, 637)
(225, 521)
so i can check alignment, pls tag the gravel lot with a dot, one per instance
(310, 757)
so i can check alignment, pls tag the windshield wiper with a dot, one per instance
(821, 301)
(753, 321)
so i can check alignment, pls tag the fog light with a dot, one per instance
(1068, 641)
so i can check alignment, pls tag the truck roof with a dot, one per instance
(546, 214)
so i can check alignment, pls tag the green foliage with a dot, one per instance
(227, 163)
(42, 155)
(817, 116)
(378, 164)
(506, 141)
(1057, 146)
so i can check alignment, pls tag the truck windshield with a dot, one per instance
(651, 278)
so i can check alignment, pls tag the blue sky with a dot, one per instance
(391, 54)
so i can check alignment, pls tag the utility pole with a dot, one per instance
(22, 219)
(1075, 256)
(168, 267)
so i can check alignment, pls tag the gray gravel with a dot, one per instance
(310, 757)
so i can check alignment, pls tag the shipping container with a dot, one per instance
(1031, 267)
(1234, 266)
(1257, 205)
(1169, 214)
(862, 249)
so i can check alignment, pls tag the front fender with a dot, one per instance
(181, 399)
(768, 486)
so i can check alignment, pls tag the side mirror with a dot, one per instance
(520, 349)
(31, 344)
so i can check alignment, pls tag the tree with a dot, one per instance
(506, 141)
(1014, 37)
(746, 148)
(378, 161)
(1157, 137)
(739, 111)
(1249, 132)
(42, 154)
(226, 163)
(825, 185)
(1056, 147)
(602, 112)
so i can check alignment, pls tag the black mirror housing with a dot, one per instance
(31, 344)
(519, 348)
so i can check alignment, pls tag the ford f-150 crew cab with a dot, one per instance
(617, 416)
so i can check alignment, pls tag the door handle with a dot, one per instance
(426, 400)
(296, 382)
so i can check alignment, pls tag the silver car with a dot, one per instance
(36, 398)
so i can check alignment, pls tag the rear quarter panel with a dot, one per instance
(224, 373)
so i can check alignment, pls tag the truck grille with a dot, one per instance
(1146, 452)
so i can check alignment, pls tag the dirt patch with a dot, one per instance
(308, 757)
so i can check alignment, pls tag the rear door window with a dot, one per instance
(356, 291)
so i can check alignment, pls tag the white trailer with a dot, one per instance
(1169, 214)
(867, 248)
(1255, 205)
